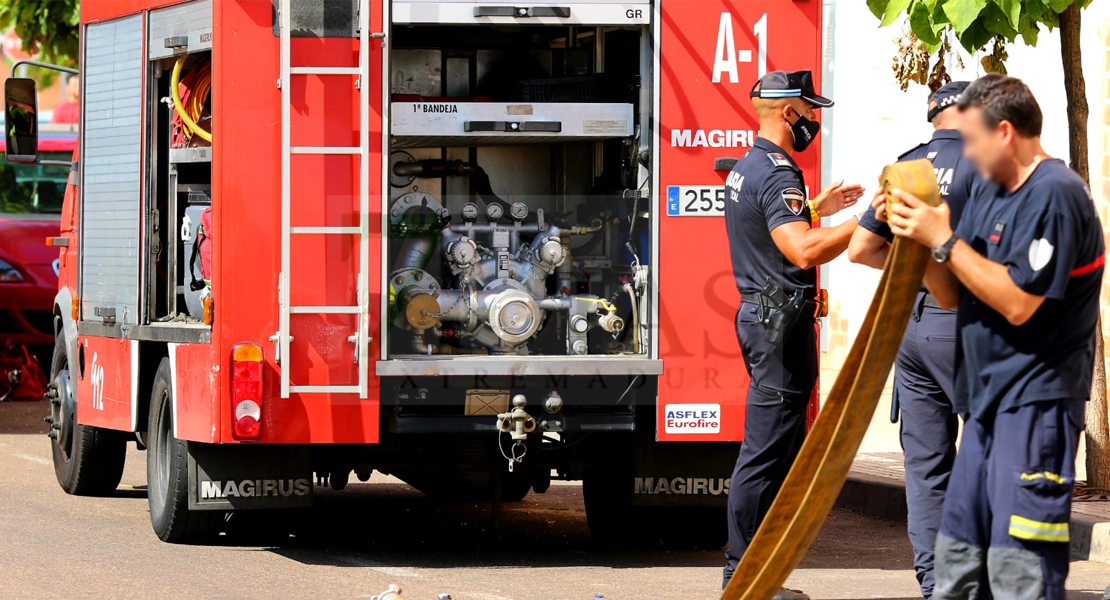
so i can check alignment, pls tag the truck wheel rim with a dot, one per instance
(162, 439)
(63, 410)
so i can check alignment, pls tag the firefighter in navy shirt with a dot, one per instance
(923, 379)
(1025, 266)
(775, 254)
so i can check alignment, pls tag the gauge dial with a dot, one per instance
(470, 211)
(494, 212)
(519, 211)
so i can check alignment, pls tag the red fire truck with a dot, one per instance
(474, 244)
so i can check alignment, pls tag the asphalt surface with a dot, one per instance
(355, 543)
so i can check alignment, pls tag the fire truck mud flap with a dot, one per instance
(687, 474)
(247, 477)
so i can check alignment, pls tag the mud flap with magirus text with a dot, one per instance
(692, 474)
(242, 477)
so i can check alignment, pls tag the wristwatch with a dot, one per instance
(940, 253)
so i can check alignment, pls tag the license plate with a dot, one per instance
(696, 200)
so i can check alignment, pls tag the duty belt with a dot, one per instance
(930, 301)
(819, 472)
(813, 309)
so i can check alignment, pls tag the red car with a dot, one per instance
(30, 211)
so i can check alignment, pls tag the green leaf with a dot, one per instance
(974, 37)
(1034, 9)
(1058, 6)
(996, 21)
(894, 10)
(921, 21)
(1012, 10)
(940, 19)
(878, 7)
(1029, 31)
(963, 13)
(1050, 19)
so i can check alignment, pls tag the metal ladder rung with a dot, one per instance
(323, 310)
(324, 150)
(326, 230)
(361, 133)
(323, 71)
(324, 389)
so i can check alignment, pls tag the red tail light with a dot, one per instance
(246, 390)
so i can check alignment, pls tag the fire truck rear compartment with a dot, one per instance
(516, 225)
(181, 190)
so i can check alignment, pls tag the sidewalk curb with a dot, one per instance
(885, 498)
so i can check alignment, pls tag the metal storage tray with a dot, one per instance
(191, 155)
(517, 366)
(512, 12)
(437, 124)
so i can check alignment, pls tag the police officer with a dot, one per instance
(1025, 265)
(923, 378)
(775, 253)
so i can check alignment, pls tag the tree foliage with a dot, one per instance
(48, 28)
(974, 22)
(978, 25)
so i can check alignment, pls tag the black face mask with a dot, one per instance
(804, 132)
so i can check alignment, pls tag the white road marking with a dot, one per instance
(378, 567)
(42, 460)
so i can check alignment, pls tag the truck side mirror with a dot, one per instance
(21, 120)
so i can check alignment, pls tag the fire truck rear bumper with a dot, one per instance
(402, 423)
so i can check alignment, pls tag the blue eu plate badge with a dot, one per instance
(673, 208)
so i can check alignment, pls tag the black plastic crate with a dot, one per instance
(582, 88)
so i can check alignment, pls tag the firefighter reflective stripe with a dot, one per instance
(1053, 477)
(1028, 529)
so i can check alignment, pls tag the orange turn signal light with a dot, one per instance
(75, 307)
(208, 309)
(246, 352)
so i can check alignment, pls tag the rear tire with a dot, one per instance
(167, 472)
(88, 461)
(615, 522)
(607, 494)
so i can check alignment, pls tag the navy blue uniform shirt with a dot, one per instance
(1048, 236)
(954, 176)
(765, 190)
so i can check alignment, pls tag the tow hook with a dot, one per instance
(518, 424)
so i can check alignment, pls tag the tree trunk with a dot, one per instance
(1098, 429)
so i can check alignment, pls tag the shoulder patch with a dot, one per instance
(794, 199)
(778, 159)
(1040, 253)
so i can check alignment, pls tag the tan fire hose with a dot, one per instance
(819, 472)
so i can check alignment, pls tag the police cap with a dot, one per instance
(789, 84)
(948, 95)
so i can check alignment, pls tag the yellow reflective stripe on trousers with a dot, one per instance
(1045, 475)
(1028, 529)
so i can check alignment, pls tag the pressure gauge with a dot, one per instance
(519, 211)
(469, 211)
(494, 211)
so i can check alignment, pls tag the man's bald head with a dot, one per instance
(770, 108)
(767, 108)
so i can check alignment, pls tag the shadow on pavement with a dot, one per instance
(394, 525)
(24, 417)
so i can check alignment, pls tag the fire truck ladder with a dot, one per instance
(361, 337)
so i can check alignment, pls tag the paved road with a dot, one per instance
(357, 542)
